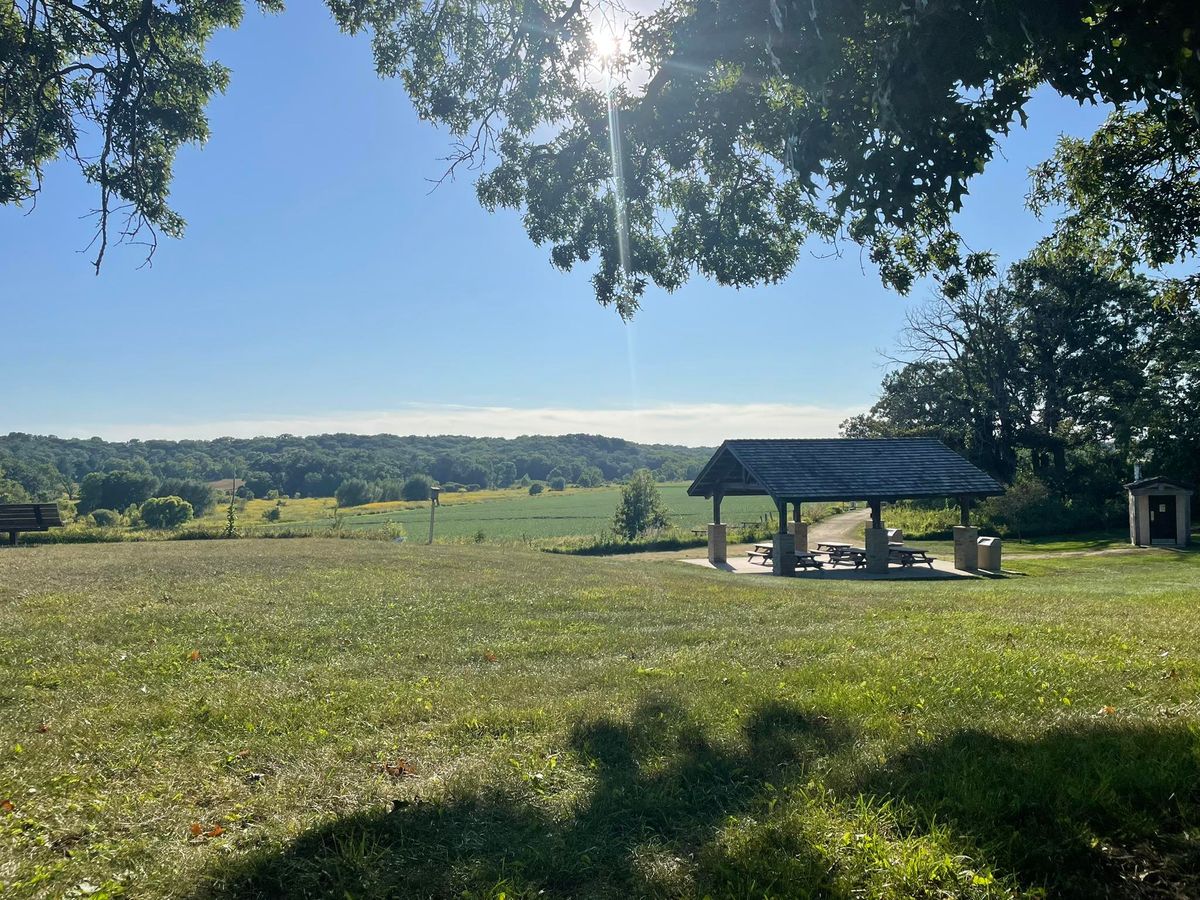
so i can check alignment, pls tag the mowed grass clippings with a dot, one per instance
(358, 719)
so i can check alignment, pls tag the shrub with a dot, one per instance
(591, 476)
(106, 518)
(198, 493)
(417, 488)
(273, 494)
(11, 492)
(166, 512)
(472, 488)
(558, 484)
(389, 489)
(257, 481)
(536, 488)
(353, 492)
(641, 506)
(273, 514)
(452, 487)
(67, 509)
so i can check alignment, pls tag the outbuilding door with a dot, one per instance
(1162, 519)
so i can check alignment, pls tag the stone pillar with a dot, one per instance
(717, 542)
(783, 559)
(966, 548)
(877, 550)
(799, 530)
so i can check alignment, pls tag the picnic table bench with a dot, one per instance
(18, 517)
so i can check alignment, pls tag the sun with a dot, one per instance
(606, 46)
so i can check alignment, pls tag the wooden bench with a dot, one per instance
(18, 517)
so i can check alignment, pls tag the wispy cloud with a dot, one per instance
(704, 424)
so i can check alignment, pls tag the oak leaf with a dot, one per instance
(400, 769)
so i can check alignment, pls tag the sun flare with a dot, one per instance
(606, 46)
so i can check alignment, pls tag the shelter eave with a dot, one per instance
(1149, 485)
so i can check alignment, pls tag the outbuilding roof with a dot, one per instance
(1149, 484)
(804, 470)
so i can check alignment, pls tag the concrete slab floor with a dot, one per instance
(941, 570)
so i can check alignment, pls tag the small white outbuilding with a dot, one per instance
(1160, 512)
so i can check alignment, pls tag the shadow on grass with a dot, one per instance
(1106, 811)
(1079, 541)
(660, 783)
(1100, 811)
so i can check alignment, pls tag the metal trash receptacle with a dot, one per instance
(989, 554)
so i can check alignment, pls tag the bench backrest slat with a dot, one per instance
(29, 516)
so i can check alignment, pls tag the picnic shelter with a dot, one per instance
(876, 470)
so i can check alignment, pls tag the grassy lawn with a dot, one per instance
(361, 719)
(508, 515)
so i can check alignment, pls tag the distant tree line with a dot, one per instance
(47, 467)
(1058, 379)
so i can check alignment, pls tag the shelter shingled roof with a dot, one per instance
(805, 470)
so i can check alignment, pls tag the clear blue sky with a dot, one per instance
(321, 286)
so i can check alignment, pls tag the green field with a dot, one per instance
(518, 516)
(325, 718)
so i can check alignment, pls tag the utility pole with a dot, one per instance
(433, 504)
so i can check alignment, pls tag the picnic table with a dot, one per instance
(808, 561)
(764, 551)
(840, 552)
(909, 556)
(733, 526)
